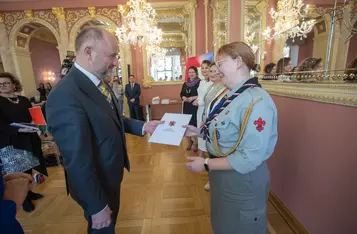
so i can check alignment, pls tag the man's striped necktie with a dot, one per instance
(104, 90)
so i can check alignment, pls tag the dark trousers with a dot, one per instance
(114, 207)
(134, 111)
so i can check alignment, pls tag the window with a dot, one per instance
(167, 68)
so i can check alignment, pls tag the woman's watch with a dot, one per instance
(206, 164)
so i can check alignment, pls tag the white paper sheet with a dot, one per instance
(171, 132)
(25, 125)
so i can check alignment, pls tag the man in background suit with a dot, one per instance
(132, 93)
(83, 117)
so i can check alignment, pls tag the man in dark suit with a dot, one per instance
(84, 119)
(132, 93)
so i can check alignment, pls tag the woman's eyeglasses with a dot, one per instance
(5, 84)
(219, 63)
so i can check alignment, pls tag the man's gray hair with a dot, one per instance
(92, 34)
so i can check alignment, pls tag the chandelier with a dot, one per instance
(249, 39)
(139, 24)
(289, 20)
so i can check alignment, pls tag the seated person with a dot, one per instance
(307, 70)
(270, 72)
(283, 69)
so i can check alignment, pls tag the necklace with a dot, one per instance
(14, 100)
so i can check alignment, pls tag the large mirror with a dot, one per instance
(315, 44)
(175, 22)
(167, 68)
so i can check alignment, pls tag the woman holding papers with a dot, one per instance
(20, 148)
(189, 95)
(241, 134)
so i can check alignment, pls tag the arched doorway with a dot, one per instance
(352, 48)
(34, 47)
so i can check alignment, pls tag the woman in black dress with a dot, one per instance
(189, 95)
(48, 89)
(20, 148)
(42, 91)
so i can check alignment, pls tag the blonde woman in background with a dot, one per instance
(202, 90)
(213, 96)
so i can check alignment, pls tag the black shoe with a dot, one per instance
(28, 206)
(34, 196)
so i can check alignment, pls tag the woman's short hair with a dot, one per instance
(208, 63)
(309, 64)
(268, 68)
(212, 64)
(239, 49)
(194, 68)
(281, 64)
(12, 78)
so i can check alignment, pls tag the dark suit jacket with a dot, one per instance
(8, 222)
(133, 93)
(90, 136)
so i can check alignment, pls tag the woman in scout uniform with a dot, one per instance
(241, 134)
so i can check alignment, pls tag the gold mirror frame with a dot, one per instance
(220, 23)
(180, 9)
(330, 86)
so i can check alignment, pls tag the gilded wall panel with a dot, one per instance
(110, 13)
(11, 18)
(74, 15)
(47, 16)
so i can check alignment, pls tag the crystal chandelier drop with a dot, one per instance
(249, 39)
(289, 20)
(156, 51)
(139, 24)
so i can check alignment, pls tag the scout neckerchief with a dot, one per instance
(253, 82)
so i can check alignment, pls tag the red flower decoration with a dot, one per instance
(172, 123)
(260, 123)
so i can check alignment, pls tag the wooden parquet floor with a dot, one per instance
(159, 196)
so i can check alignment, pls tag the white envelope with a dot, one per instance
(171, 132)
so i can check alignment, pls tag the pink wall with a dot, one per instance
(210, 30)
(235, 21)
(200, 28)
(48, 4)
(306, 50)
(44, 56)
(313, 169)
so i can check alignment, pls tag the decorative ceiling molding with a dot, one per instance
(29, 15)
(334, 93)
(59, 12)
